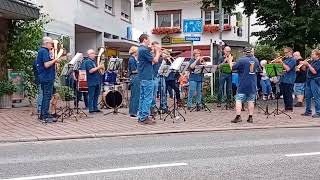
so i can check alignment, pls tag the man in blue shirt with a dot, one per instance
(247, 67)
(46, 75)
(288, 78)
(195, 81)
(146, 77)
(313, 84)
(93, 80)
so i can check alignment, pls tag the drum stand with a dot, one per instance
(115, 108)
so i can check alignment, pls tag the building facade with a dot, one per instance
(90, 24)
(163, 20)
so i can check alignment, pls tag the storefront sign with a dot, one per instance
(179, 41)
(166, 40)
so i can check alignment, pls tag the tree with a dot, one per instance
(24, 40)
(293, 23)
(265, 52)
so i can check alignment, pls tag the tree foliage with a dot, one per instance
(265, 52)
(23, 43)
(294, 23)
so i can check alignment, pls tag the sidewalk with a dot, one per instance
(17, 125)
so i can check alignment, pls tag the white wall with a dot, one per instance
(255, 28)
(144, 20)
(66, 13)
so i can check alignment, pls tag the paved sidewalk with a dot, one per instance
(17, 125)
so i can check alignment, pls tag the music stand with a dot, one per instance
(163, 72)
(272, 71)
(114, 65)
(201, 70)
(176, 68)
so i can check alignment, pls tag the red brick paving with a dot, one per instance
(18, 125)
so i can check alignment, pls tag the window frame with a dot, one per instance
(90, 2)
(226, 17)
(205, 18)
(171, 13)
(125, 16)
(107, 10)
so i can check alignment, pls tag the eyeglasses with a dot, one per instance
(286, 52)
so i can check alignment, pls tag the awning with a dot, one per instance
(18, 9)
(233, 43)
(187, 54)
(120, 44)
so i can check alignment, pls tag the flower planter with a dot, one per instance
(6, 102)
(166, 30)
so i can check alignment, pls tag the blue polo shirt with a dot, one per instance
(247, 79)
(145, 68)
(156, 68)
(93, 79)
(45, 74)
(316, 66)
(290, 76)
(193, 76)
(133, 65)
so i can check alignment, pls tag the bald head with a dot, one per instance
(91, 54)
(297, 55)
(227, 50)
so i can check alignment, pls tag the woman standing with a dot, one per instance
(313, 84)
(134, 82)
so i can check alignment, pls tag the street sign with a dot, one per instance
(192, 38)
(192, 26)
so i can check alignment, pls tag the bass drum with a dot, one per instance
(113, 99)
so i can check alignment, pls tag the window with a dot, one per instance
(217, 16)
(207, 17)
(126, 9)
(109, 6)
(168, 18)
(92, 2)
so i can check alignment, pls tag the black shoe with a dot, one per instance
(306, 114)
(198, 108)
(299, 104)
(97, 111)
(250, 120)
(189, 108)
(237, 119)
(219, 105)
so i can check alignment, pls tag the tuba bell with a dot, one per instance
(101, 61)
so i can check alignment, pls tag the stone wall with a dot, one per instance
(4, 26)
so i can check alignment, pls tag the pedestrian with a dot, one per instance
(300, 82)
(247, 67)
(265, 81)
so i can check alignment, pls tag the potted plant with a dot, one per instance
(6, 91)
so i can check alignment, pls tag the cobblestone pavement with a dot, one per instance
(18, 124)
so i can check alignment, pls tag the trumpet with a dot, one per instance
(302, 64)
(278, 60)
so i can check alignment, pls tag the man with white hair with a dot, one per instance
(46, 75)
(300, 83)
(93, 80)
(225, 79)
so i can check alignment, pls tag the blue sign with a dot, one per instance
(192, 26)
(192, 38)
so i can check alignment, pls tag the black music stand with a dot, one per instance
(163, 71)
(114, 65)
(174, 109)
(276, 70)
(202, 69)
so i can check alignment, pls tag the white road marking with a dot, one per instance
(303, 154)
(99, 171)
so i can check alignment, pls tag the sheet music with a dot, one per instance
(177, 63)
(77, 57)
(114, 64)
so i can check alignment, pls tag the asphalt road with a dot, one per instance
(252, 154)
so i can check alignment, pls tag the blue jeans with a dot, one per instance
(39, 98)
(47, 88)
(146, 95)
(225, 79)
(135, 95)
(194, 86)
(312, 90)
(266, 87)
(155, 90)
(94, 92)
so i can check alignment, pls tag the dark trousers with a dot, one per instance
(79, 98)
(47, 88)
(286, 90)
(173, 85)
(94, 92)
